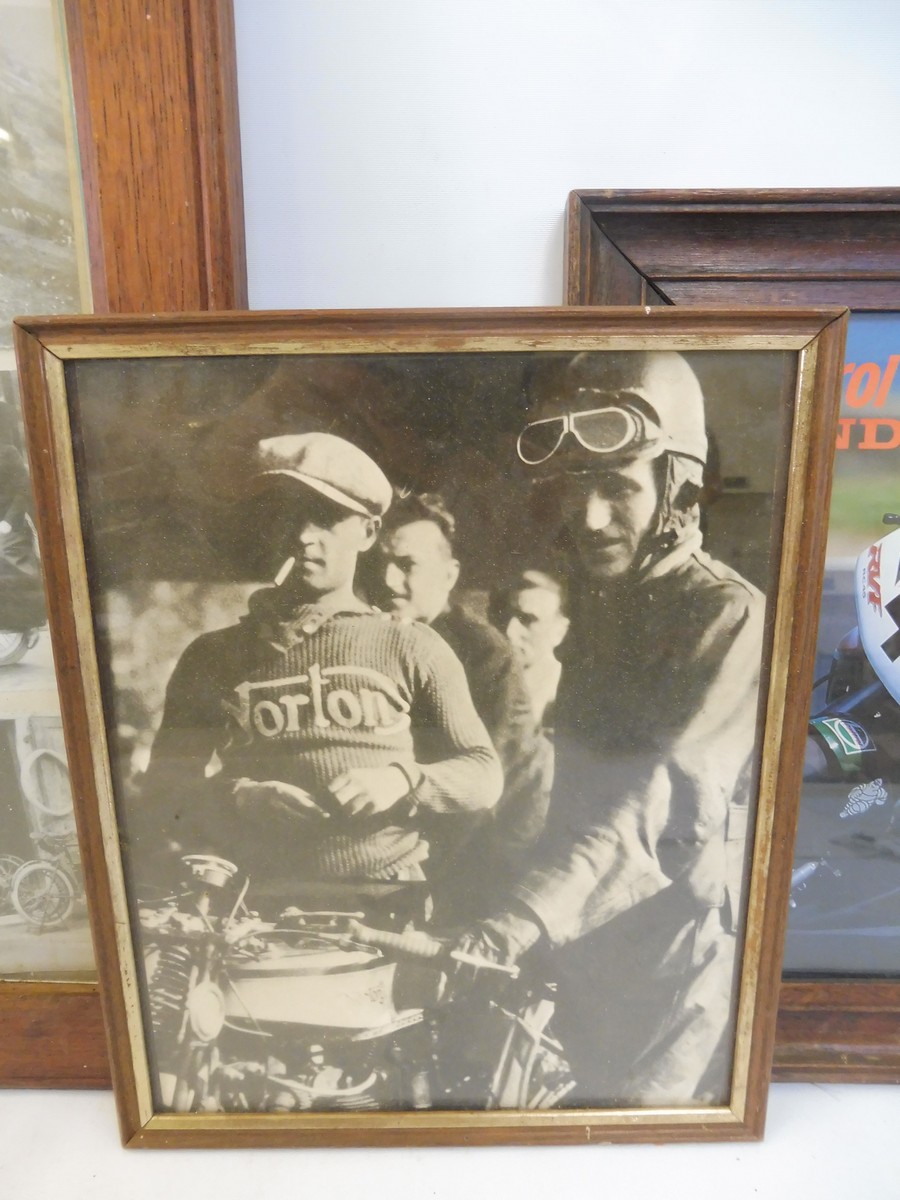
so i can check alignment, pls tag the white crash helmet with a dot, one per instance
(604, 406)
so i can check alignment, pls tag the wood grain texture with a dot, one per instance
(155, 91)
(838, 1032)
(53, 1036)
(385, 330)
(45, 345)
(781, 247)
(156, 104)
(596, 267)
(752, 247)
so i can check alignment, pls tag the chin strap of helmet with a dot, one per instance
(678, 520)
(680, 508)
(677, 524)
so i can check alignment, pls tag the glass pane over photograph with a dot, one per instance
(43, 924)
(845, 905)
(40, 202)
(433, 714)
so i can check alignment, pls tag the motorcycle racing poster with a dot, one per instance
(845, 905)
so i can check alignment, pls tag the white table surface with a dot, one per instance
(822, 1142)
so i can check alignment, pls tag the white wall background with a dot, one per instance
(419, 152)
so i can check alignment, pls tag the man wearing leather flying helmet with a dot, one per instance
(634, 889)
(628, 441)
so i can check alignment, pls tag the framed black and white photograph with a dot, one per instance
(44, 931)
(428, 683)
(44, 934)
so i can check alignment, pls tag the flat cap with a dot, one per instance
(330, 465)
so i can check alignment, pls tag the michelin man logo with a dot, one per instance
(863, 797)
(365, 699)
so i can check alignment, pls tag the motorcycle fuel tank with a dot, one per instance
(340, 989)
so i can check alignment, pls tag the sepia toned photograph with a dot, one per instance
(26, 660)
(436, 718)
(44, 931)
(40, 203)
(43, 923)
(45, 936)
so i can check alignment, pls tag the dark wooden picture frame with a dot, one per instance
(760, 247)
(801, 407)
(157, 128)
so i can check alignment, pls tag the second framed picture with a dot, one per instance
(430, 729)
(840, 1002)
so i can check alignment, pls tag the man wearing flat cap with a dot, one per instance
(303, 741)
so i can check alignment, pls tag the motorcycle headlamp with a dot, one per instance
(618, 425)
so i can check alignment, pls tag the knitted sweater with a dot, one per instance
(300, 697)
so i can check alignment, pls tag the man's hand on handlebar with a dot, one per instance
(502, 940)
(457, 969)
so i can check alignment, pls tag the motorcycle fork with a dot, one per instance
(196, 1062)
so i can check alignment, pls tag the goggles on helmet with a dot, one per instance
(615, 428)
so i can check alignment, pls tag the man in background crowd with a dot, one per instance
(635, 888)
(531, 614)
(416, 574)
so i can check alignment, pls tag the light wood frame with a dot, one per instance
(45, 347)
(760, 247)
(157, 128)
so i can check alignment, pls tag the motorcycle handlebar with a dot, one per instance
(416, 944)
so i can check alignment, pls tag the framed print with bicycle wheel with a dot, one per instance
(428, 739)
(44, 932)
(76, 235)
(840, 1003)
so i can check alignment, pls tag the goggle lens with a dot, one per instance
(606, 429)
(599, 430)
(540, 439)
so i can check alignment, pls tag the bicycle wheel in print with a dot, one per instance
(42, 894)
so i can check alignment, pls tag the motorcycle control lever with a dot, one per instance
(417, 944)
